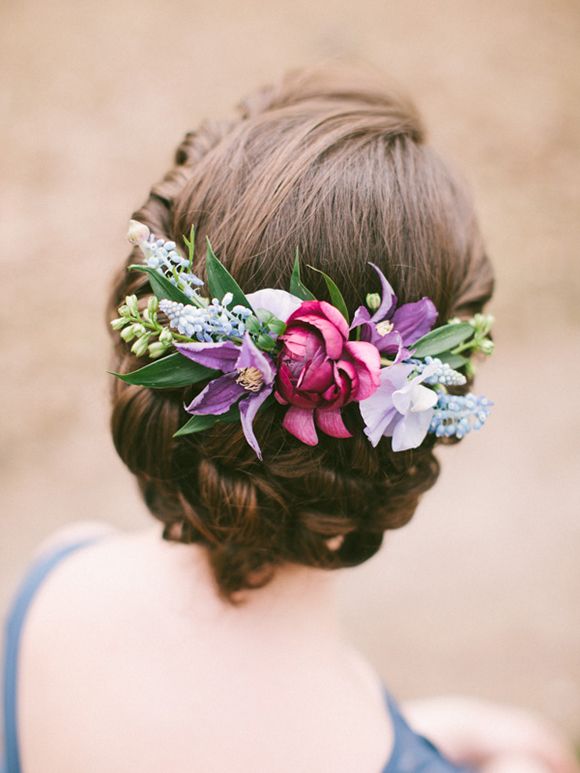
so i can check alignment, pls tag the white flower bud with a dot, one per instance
(152, 305)
(165, 337)
(140, 346)
(117, 324)
(486, 346)
(156, 349)
(128, 333)
(138, 232)
(132, 305)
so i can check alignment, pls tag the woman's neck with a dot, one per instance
(299, 601)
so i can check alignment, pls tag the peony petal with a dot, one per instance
(316, 375)
(248, 409)
(333, 339)
(252, 357)
(302, 342)
(414, 320)
(368, 365)
(410, 431)
(330, 421)
(278, 302)
(221, 355)
(300, 423)
(334, 316)
(388, 297)
(218, 396)
(286, 391)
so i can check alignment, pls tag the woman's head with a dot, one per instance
(336, 167)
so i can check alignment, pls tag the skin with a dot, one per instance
(130, 661)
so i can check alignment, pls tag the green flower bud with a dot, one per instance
(123, 311)
(129, 333)
(264, 316)
(166, 337)
(486, 346)
(117, 324)
(454, 321)
(265, 342)
(469, 369)
(153, 305)
(276, 326)
(132, 305)
(373, 301)
(140, 346)
(156, 349)
(139, 329)
(253, 325)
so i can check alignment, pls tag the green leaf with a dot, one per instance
(453, 360)
(442, 339)
(161, 286)
(220, 281)
(171, 372)
(199, 423)
(334, 292)
(296, 286)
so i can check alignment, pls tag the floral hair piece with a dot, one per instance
(304, 353)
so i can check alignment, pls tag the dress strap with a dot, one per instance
(15, 620)
(413, 753)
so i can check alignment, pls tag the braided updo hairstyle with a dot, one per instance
(336, 166)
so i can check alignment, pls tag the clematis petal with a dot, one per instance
(330, 421)
(414, 320)
(361, 315)
(389, 343)
(388, 297)
(278, 302)
(248, 409)
(221, 355)
(252, 357)
(300, 423)
(218, 396)
(410, 431)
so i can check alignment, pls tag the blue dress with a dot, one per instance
(411, 753)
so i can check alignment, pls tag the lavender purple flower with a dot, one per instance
(248, 378)
(390, 328)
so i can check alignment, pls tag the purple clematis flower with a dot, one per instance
(248, 376)
(399, 408)
(393, 329)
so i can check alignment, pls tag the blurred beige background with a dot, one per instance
(480, 593)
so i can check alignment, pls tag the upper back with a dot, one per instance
(129, 660)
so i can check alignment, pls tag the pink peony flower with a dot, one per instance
(320, 370)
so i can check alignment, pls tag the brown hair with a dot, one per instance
(336, 166)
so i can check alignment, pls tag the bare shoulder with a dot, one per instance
(114, 568)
